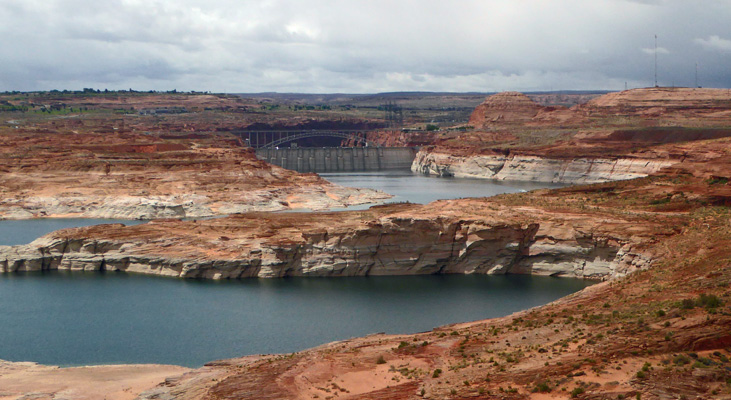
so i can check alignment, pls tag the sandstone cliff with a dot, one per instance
(662, 333)
(534, 168)
(505, 108)
(615, 136)
(136, 176)
(460, 236)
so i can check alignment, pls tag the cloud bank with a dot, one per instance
(361, 46)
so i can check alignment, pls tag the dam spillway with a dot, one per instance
(339, 159)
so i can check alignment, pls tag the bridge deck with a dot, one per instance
(274, 138)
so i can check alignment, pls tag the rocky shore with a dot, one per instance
(146, 177)
(615, 136)
(489, 236)
(534, 168)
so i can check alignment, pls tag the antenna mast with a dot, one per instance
(655, 60)
(696, 75)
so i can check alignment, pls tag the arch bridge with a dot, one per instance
(274, 139)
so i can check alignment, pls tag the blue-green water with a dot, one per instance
(422, 189)
(80, 318)
(25, 231)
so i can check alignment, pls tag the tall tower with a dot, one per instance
(394, 115)
(655, 60)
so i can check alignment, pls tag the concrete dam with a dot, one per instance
(339, 159)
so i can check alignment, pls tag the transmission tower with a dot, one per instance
(394, 115)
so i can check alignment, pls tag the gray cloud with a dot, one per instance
(361, 46)
(715, 43)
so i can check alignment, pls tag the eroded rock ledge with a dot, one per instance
(460, 236)
(135, 176)
(536, 169)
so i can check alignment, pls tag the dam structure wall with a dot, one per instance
(339, 159)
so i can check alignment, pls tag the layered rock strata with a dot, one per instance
(505, 107)
(644, 336)
(144, 177)
(534, 168)
(612, 137)
(468, 236)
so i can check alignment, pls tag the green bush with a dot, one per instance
(687, 304)
(542, 388)
(709, 301)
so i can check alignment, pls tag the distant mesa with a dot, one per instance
(514, 108)
(665, 97)
(505, 107)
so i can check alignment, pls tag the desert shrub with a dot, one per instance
(542, 388)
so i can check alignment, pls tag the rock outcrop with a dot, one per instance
(534, 168)
(615, 136)
(145, 177)
(649, 107)
(660, 334)
(461, 236)
(505, 108)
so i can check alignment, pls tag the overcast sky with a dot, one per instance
(365, 46)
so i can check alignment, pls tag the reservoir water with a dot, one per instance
(80, 318)
(26, 231)
(88, 318)
(419, 188)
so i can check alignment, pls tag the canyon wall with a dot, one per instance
(387, 245)
(537, 169)
(139, 176)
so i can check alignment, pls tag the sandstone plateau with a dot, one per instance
(471, 236)
(138, 176)
(611, 137)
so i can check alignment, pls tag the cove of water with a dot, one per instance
(85, 318)
(419, 188)
(14, 232)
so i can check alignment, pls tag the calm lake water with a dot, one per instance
(64, 318)
(82, 318)
(420, 188)
(28, 230)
